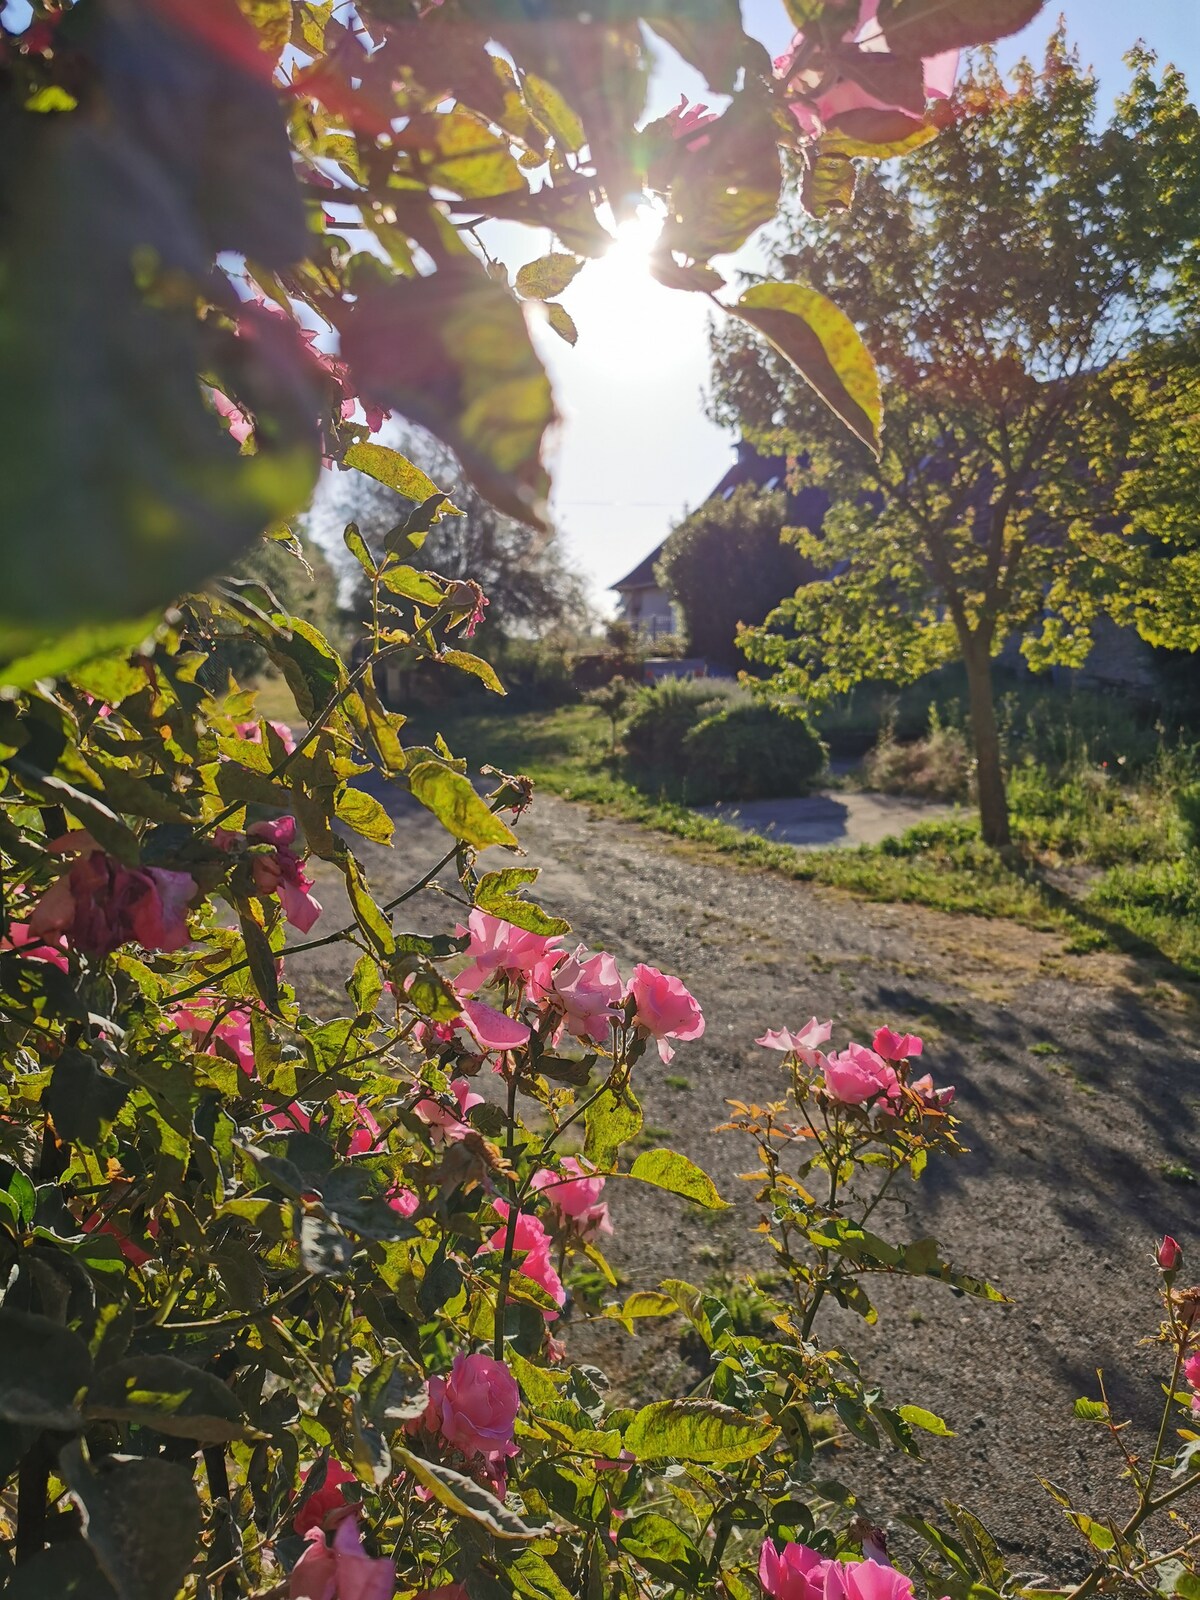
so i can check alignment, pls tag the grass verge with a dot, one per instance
(1150, 911)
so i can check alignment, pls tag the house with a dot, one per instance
(646, 606)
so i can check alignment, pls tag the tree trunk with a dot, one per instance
(989, 774)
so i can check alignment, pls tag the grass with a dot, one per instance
(1145, 898)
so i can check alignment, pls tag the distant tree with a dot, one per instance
(1014, 275)
(531, 586)
(298, 574)
(726, 565)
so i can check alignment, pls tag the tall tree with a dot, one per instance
(1017, 276)
(531, 586)
(726, 565)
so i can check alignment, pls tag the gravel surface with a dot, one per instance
(1058, 1201)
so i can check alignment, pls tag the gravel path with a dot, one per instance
(1058, 1201)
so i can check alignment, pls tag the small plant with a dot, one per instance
(613, 698)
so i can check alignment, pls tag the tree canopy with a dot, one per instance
(1017, 275)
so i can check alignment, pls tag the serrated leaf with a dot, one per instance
(169, 1396)
(1091, 1410)
(697, 1430)
(389, 467)
(825, 348)
(357, 546)
(141, 1518)
(464, 1497)
(610, 1121)
(927, 27)
(667, 1169)
(476, 666)
(927, 1421)
(365, 814)
(410, 584)
(460, 810)
(43, 1369)
(547, 276)
(563, 323)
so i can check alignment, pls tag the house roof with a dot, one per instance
(642, 576)
(806, 508)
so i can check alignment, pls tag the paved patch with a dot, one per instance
(830, 817)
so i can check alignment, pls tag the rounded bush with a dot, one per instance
(751, 750)
(665, 714)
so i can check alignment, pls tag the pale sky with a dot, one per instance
(635, 448)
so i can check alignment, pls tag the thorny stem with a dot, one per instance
(510, 1233)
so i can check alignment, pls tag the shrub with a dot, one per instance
(937, 766)
(666, 713)
(750, 750)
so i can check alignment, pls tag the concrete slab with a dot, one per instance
(830, 817)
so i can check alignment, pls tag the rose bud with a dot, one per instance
(1168, 1255)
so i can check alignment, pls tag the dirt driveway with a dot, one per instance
(1058, 1202)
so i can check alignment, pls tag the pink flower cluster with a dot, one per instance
(857, 1076)
(583, 991)
(573, 1195)
(473, 1409)
(824, 100)
(798, 1573)
(277, 870)
(99, 903)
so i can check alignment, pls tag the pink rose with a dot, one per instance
(99, 903)
(475, 1407)
(20, 942)
(575, 1198)
(857, 1076)
(1191, 1370)
(866, 1580)
(343, 1571)
(252, 732)
(934, 1099)
(491, 1030)
(531, 1240)
(1168, 1255)
(444, 1127)
(803, 1045)
(896, 1046)
(233, 1031)
(686, 121)
(588, 991)
(793, 1573)
(279, 872)
(322, 1501)
(498, 949)
(664, 1008)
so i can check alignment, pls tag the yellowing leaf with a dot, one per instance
(563, 323)
(667, 1169)
(477, 667)
(454, 802)
(547, 276)
(697, 1430)
(464, 1497)
(825, 348)
(391, 468)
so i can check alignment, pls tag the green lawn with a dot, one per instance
(1148, 909)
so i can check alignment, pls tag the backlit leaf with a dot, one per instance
(667, 1169)
(927, 27)
(697, 1430)
(464, 1497)
(824, 346)
(454, 802)
(547, 276)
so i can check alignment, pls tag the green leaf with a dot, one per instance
(365, 985)
(697, 1430)
(454, 802)
(554, 114)
(498, 893)
(476, 666)
(661, 1547)
(728, 187)
(23, 1195)
(55, 655)
(464, 1497)
(667, 1169)
(169, 1396)
(83, 1101)
(412, 585)
(67, 1571)
(927, 1421)
(362, 812)
(391, 468)
(1091, 1410)
(141, 1518)
(547, 276)
(927, 27)
(43, 1369)
(374, 922)
(357, 546)
(533, 1576)
(825, 348)
(260, 958)
(610, 1121)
